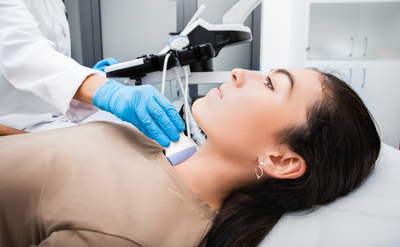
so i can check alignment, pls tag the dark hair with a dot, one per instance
(340, 145)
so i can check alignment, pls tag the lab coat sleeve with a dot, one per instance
(30, 62)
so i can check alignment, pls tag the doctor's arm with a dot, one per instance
(143, 106)
(48, 72)
(71, 88)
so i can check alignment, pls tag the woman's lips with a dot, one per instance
(217, 91)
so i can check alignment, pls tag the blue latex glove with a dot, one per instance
(144, 107)
(102, 64)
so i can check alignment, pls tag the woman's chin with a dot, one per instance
(195, 106)
(197, 111)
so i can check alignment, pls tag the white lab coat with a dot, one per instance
(38, 79)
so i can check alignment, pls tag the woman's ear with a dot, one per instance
(284, 164)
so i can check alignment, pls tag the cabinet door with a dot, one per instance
(333, 28)
(379, 32)
(378, 84)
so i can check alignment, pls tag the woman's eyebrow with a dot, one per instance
(287, 73)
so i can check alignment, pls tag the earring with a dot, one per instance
(262, 172)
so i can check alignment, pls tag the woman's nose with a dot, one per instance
(238, 77)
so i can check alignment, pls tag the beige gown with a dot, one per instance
(96, 184)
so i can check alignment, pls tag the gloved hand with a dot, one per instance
(144, 107)
(102, 64)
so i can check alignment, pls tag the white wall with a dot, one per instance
(72, 7)
(132, 28)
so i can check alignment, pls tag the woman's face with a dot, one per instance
(242, 116)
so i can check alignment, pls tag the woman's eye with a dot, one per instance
(268, 83)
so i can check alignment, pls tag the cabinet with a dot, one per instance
(379, 86)
(360, 43)
(354, 31)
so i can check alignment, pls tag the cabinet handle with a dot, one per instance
(364, 71)
(352, 42)
(366, 44)
(351, 75)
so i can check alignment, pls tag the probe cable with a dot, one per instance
(164, 73)
(185, 96)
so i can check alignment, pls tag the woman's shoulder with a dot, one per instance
(87, 137)
(122, 132)
(111, 132)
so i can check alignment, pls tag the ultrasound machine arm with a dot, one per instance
(205, 42)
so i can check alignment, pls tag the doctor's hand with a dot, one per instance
(144, 107)
(102, 64)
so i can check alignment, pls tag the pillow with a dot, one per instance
(369, 216)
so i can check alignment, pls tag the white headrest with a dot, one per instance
(369, 216)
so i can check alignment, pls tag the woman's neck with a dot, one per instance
(213, 177)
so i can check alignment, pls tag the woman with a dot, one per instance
(276, 143)
(336, 140)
